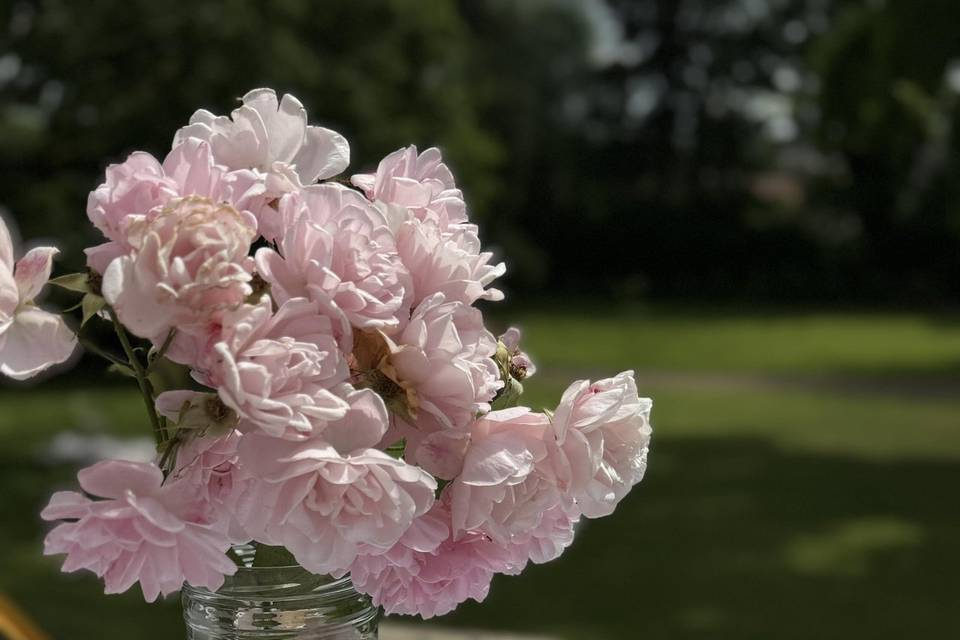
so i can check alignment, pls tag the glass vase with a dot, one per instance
(279, 602)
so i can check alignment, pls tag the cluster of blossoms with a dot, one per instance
(349, 406)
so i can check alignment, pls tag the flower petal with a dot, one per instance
(286, 123)
(35, 340)
(113, 478)
(6, 245)
(33, 271)
(325, 153)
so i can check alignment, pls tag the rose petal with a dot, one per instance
(33, 342)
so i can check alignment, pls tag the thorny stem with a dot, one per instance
(141, 376)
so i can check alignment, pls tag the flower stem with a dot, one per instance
(141, 375)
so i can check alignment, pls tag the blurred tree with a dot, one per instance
(83, 84)
(890, 76)
(777, 149)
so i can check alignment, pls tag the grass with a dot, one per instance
(768, 511)
(772, 342)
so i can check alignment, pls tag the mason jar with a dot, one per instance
(279, 602)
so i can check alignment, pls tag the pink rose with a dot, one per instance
(189, 264)
(138, 533)
(323, 505)
(603, 432)
(338, 251)
(547, 540)
(420, 183)
(140, 185)
(444, 355)
(271, 150)
(447, 261)
(279, 371)
(207, 473)
(265, 134)
(31, 339)
(428, 572)
(507, 482)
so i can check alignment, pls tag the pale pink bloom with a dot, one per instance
(603, 432)
(424, 209)
(445, 355)
(420, 183)
(521, 366)
(447, 261)
(260, 194)
(279, 371)
(545, 541)
(267, 135)
(31, 339)
(139, 532)
(323, 504)
(339, 252)
(440, 453)
(429, 572)
(207, 472)
(140, 185)
(189, 263)
(507, 482)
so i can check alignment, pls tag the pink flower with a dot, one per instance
(323, 504)
(31, 339)
(207, 471)
(420, 183)
(138, 533)
(268, 135)
(603, 432)
(426, 212)
(507, 482)
(279, 371)
(339, 252)
(445, 355)
(141, 185)
(447, 261)
(189, 263)
(429, 572)
(545, 541)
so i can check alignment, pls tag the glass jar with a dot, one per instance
(279, 602)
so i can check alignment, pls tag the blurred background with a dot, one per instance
(753, 203)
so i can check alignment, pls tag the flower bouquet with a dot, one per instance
(347, 412)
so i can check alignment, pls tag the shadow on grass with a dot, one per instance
(726, 538)
(732, 538)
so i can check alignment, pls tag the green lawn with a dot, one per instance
(815, 507)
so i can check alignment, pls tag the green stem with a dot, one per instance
(97, 351)
(162, 351)
(141, 375)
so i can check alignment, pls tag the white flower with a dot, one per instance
(265, 131)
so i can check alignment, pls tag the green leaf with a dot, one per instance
(72, 282)
(396, 450)
(92, 304)
(509, 396)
